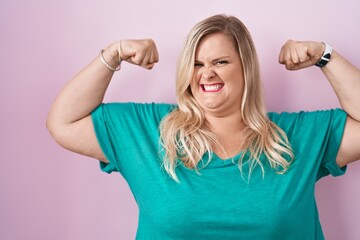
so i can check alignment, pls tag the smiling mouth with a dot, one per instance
(211, 87)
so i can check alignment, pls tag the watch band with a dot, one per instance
(325, 58)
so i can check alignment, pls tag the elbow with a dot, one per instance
(55, 130)
(50, 126)
(57, 133)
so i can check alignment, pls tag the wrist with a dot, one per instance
(111, 54)
(326, 55)
(110, 57)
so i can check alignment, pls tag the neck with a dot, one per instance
(228, 130)
(225, 125)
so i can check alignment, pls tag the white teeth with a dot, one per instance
(214, 87)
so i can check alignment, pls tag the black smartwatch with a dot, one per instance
(326, 56)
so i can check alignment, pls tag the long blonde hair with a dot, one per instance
(183, 134)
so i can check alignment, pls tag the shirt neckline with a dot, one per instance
(217, 162)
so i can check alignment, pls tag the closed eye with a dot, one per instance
(222, 62)
(197, 64)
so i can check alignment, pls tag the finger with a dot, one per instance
(146, 59)
(285, 55)
(154, 57)
(149, 66)
(285, 58)
(294, 56)
(281, 56)
(302, 55)
(156, 54)
(288, 58)
(138, 58)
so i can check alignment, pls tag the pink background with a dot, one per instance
(49, 193)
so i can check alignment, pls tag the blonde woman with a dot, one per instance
(216, 165)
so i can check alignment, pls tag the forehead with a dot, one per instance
(215, 44)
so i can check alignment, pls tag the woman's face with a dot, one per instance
(218, 79)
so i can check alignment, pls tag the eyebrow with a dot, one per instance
(215, 59)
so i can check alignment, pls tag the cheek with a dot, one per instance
(193, 91)
(194, 84)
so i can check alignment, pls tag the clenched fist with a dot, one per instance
(300, 54)
(141, 52)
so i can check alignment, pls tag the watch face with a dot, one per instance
(325, 57)
(324, 60)
(322, 63)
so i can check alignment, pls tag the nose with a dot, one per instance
(208, 73)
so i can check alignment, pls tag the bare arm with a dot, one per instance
(69, 121)
(345, 80)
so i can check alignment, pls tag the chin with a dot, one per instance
(210, 105)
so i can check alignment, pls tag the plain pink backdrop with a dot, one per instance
(49, 193)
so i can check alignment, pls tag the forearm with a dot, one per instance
(83, 93)
(345, 80)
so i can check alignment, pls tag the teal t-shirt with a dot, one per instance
(219, 203)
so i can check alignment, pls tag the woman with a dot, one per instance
(216, 165)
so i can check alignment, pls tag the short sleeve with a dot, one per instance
(336, 126)
(100, 118)
(123, 128)
(315, 138)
